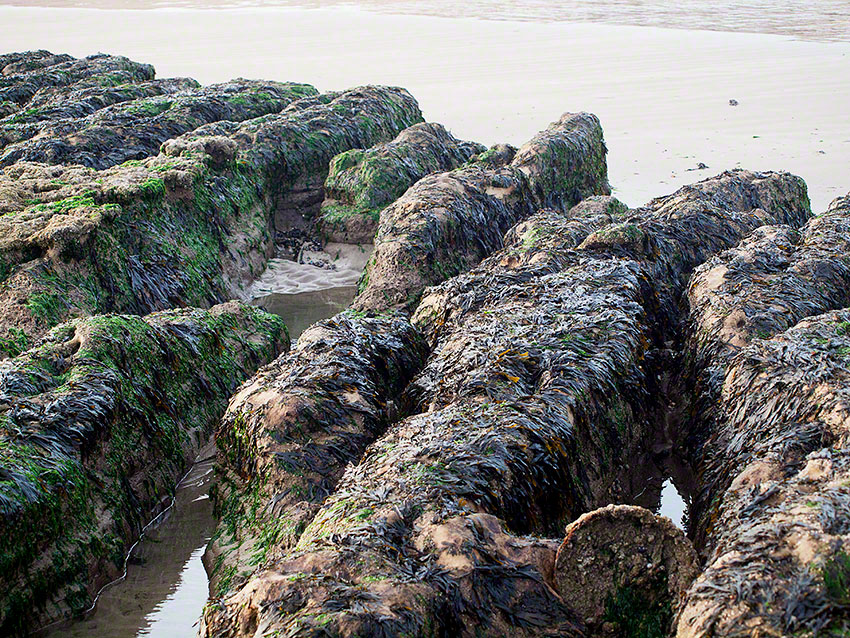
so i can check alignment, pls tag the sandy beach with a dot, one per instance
(664, 98)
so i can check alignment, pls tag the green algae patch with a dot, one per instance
(361, 183)
(98, 422)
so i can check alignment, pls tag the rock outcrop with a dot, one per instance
(97, 423)
(46, 108)
(448, 222)
(135, 129)
(534, 400)
(772, 433)
(25, 76)
(290, 432)
(361, 183)
(190, 226)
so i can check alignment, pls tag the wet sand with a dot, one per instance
(662, 94)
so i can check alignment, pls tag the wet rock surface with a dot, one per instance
(624, 569)
(529, 403)
(448, 222)
(771, 445)
(290, 432)
(462, 452)
(192, 225)
(134, 129)
(97, 423)
(361, 183)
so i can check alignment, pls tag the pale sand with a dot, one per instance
(286, 277)
(662, 94)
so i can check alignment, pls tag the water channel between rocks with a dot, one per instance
(166, 585)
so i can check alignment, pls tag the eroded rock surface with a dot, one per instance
(97, 423)
(448, 222)
(361, 183)
(536, 394)
(192, 225)
(623, 570)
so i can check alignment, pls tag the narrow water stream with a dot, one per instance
(166, 585)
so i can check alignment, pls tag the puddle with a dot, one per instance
(302, 310)
(672, 504)
(166, 585)
(303, 293)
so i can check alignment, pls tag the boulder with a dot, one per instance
(448, 222)
(623, 570)
(361, 183)
(290, 431)
(769, 431)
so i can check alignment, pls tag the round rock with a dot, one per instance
(623, 569)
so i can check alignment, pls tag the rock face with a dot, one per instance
(361, 183)
(772, 437)
(97, 423)
(290, 432)
(135, 129)
(448, 222)
(539, 390)
(623, 569)
(191, 226)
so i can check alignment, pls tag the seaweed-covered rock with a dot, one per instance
(97, 422)
(530, 409)
(134, 130)
(624, 569)
(27, 74)
(541, 244)
(361, 183)
(496, 156)
(70, 102)
(190, 226)
(766, 284)
(289, 433)
(780, 539)
(764, 404)
(448, 222)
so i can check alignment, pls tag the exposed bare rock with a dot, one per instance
(361, 183)
(623, 570)
(97, 423)
(448, 222)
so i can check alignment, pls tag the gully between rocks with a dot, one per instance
(166, 585)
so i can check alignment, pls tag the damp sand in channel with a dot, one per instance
(303, 294)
